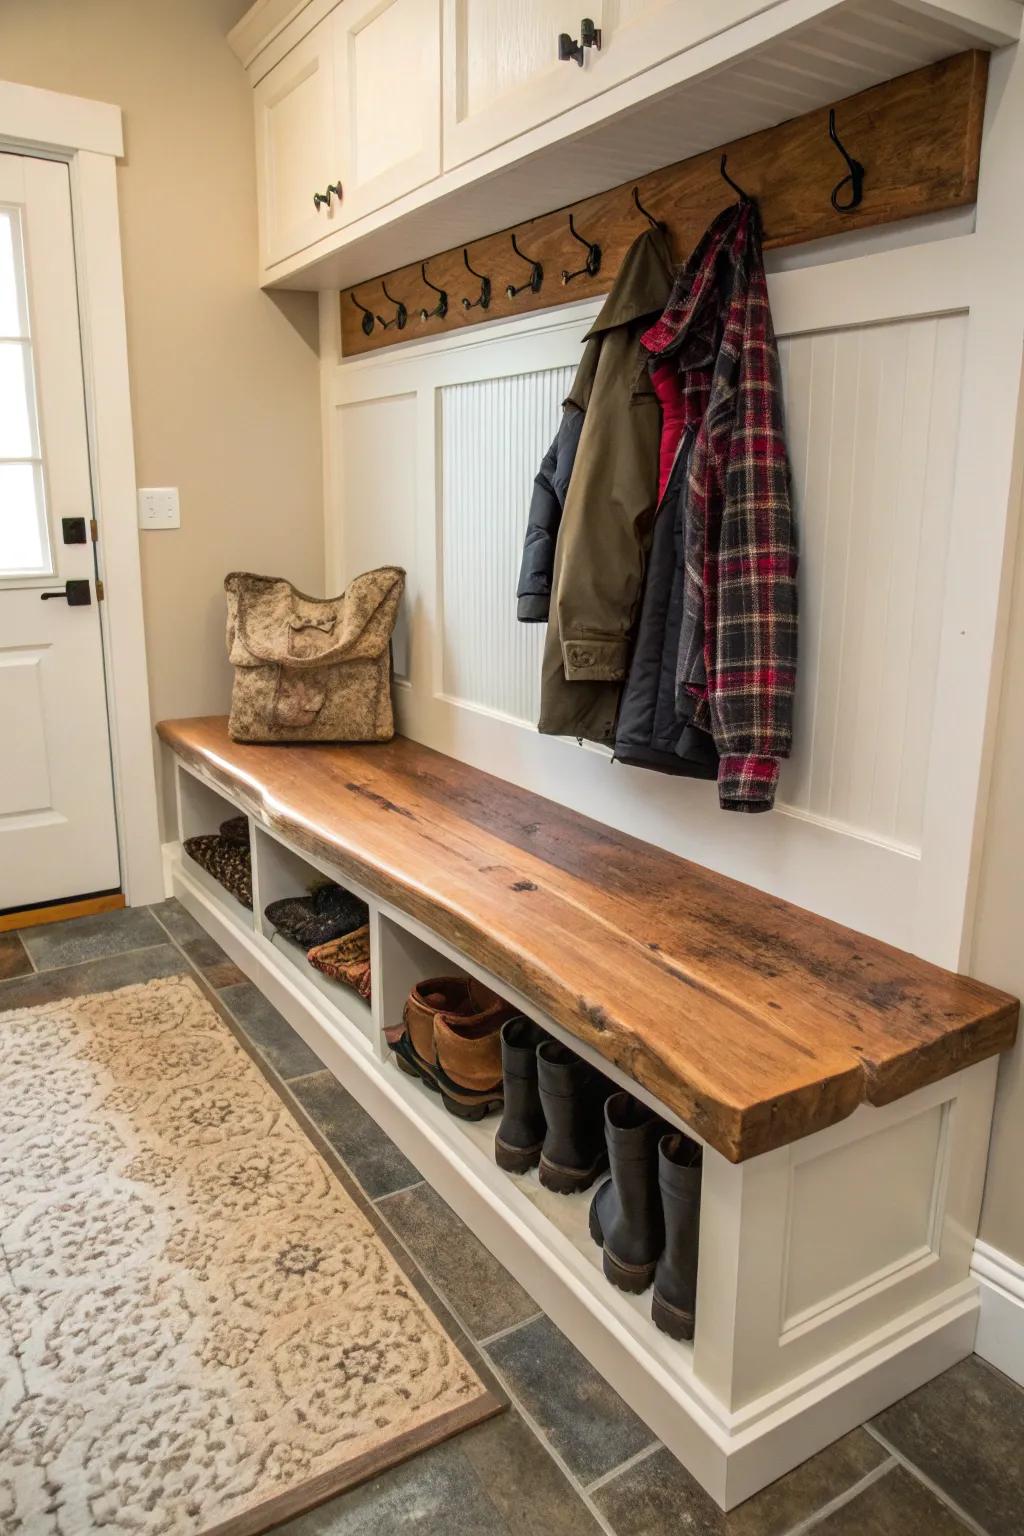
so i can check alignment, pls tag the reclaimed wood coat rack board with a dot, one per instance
(918, 138)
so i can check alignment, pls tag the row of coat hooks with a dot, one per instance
(854, 180)
(907, 147)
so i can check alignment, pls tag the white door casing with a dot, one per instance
(58, 835)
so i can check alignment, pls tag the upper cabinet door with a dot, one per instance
(502, 71)
(296, 150)
(388, 80)
(503, 75)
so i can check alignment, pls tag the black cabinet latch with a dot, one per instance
(569, 48)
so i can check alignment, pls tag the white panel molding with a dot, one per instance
(1000, 1338)
(983, 533)
(905, 314)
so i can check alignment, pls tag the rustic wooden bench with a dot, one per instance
(842, 1088)
(755, 1021)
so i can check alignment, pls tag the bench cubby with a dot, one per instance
(834, 1267)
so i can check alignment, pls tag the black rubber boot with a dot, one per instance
(520, 1138)
(675, 1278)
(626, 1214)
(572, 1095)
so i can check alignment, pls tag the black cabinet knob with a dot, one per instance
(324, 198)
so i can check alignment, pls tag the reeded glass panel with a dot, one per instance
(22, 546)
(13, 320)
(24, 538)
(17, 437)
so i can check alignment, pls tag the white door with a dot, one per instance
(57, 830)
(297, 158)
(387, 75)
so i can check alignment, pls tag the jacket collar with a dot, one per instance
(642, 286)
(692, 320)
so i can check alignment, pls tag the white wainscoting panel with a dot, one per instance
(871, 416)
(375, 451)
(494, 434)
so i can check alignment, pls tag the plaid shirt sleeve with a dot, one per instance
(750, 562)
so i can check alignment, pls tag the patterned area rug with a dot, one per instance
(200, 1329)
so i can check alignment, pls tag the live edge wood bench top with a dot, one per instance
(755, 1021)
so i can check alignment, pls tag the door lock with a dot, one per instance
(73, 530)
(77, 593)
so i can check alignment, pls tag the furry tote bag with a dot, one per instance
(310, 668)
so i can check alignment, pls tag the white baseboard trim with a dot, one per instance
(1000, 1338)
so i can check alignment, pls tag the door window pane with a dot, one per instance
(13, 317)
(23, 543)
(24, 536)
(17, 434)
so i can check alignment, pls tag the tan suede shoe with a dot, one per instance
(461, 1000)
(467, 1055)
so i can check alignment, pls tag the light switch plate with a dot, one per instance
(158, 507)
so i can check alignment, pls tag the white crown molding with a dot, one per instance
(1000, 1338)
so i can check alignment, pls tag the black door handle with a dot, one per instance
(77, 593)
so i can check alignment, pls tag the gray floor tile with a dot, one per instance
(203, 952)
(270, 1033)
(55, 945)
(437, 1493)
(658, 1495)
(359, 1141)
(965, 1430)
(533, 1495)
(14, 960)
(582, 1416)
(896, 1505)
(94, 976)
(480, 1290)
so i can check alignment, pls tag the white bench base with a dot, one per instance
(834, 1273)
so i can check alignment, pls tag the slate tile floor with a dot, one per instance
(569, 1458)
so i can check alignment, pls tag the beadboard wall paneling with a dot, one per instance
(375, 450)
(494, 433)
(872, 416)
(875, 347)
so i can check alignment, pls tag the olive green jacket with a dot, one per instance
(609, 507)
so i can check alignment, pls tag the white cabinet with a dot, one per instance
(503, 75)
(387, 72)
(296, 149)
(502, 71)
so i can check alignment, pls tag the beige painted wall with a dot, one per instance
(225, 389)
(998, 955)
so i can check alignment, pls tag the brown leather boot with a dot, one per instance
(626, 1213)
(467, 1053)
(452, 995)
(675, 1278)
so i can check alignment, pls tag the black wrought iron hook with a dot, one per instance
(400, 315)
(652, 221)
(483, 301)
(743, 196)
(855, 176)
(369, 318)
(440, 309)
(535, 279)
(592, 265)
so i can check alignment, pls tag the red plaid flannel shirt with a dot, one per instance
(737, 662)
